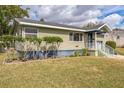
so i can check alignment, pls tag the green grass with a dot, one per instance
(64, 72)
(120, 50)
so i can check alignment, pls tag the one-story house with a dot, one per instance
(75, 38)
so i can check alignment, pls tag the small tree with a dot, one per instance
(33, 45)
(19, 46)
(111, 44)
(56, 44)
(7, 14)
(51, 43)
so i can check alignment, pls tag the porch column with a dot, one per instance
(96, 51)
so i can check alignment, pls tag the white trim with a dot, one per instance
(48, 26)
(105, 25)
(64, 28)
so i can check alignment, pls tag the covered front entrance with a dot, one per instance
(91, 40)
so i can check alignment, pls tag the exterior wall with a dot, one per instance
(64, 34)
(101, 38)
(117, 35)
(66, 45)
(109, 36)
(113, 36)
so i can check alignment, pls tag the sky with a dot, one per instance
(78, 15)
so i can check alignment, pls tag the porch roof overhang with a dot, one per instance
(99, 29)
(93, 30)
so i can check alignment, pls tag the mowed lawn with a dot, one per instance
(73, 72)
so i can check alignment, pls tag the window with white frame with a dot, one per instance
(31, 32)
(75, 36)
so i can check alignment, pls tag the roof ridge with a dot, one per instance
(51, 23)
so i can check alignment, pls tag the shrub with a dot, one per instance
(8, 40)
(20, 55)
(19, 39)
(30, 39)
(111, 44)
(77, 53)
(72, 55)
(58, 39)
(11, 55)
(34, 39)
(85, 52)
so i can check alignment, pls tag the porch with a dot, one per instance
(94, 41)
(90, 40)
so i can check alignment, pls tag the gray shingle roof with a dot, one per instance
(45, 23)
(85, 28)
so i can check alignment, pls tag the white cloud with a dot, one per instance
(76, 15)
(64, 14)
(81, 23)
(113, 19)
(92, 13)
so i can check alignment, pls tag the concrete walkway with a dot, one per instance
(117, 57)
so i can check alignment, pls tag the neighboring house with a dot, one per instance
(117, 35)
(74, 38)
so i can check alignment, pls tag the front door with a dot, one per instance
(99, 44)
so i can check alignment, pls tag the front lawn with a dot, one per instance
(64, 72)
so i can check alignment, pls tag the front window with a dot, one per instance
(31, 32)
(75, 36)
(71, 36)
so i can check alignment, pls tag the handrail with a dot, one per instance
(107, 50)
(115, 52)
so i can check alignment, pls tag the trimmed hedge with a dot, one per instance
(111, 44)
(52, 39)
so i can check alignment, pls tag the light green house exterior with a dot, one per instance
(74, 38)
